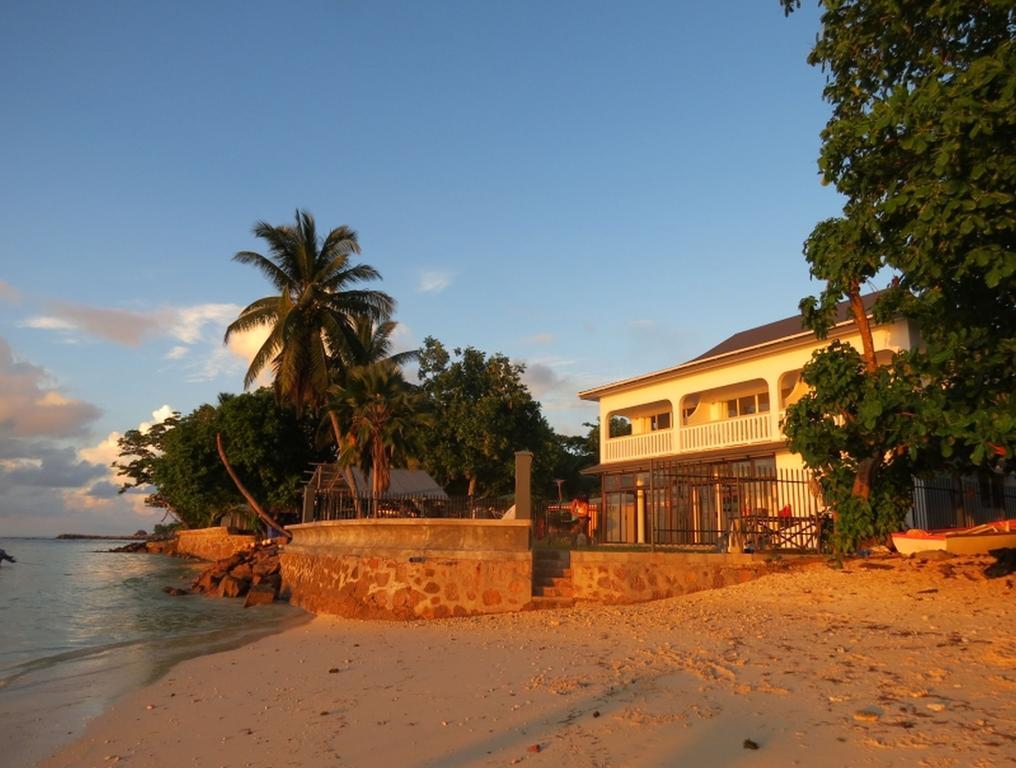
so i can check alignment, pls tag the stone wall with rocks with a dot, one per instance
(212, 543)
(635, 577)
(408, 569)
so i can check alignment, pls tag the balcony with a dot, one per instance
(658, 443)
(744, 430)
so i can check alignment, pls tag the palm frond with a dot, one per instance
(258, 314)
(267, 267)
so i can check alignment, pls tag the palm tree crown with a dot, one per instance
(315, 312)
(383, 414)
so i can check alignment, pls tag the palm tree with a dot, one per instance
(314, 314)
(368, 343)
(383, 414)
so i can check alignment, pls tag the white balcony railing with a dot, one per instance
(744, 430)
(756, 428)
(658, 443)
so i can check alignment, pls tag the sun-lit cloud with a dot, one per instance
(433, 281)
(120, 326)
(30, 405)
(187, 324)
(9, 293)
(196, 329)
(542, 338)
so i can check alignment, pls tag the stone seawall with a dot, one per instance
(211, 543)
(408, 569)
(635, 577)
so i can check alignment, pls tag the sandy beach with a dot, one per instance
(887, 662)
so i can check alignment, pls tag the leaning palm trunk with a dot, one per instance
(868, 467)
(267, 519)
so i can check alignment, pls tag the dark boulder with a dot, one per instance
(262, 594)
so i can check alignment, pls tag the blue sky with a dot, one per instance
(594, 189)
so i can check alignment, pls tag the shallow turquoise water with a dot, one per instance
(80, 626)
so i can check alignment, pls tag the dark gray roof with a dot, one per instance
(781, 329)
(403, 482)
(770, 333)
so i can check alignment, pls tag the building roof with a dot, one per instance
(403, 482)
(740, 343)
(781, 329)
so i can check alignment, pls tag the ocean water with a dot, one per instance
(81, 626)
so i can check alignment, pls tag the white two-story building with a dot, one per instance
(703, 443)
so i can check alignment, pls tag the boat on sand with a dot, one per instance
(978, 540)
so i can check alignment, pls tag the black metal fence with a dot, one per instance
(336, 504)
(961, 502)
(698, 508)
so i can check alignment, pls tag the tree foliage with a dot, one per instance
(483, 414)
(268, 445)
(922, 143)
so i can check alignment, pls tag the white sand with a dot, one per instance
(862, 667)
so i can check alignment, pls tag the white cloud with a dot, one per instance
(433, 281)
(188, 324)
(94, 494)
(48, 323)
(177, 353)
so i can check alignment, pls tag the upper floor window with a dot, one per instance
(660, 421)
(747, 405)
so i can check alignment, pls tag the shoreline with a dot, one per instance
(86, 628)
(890, 662)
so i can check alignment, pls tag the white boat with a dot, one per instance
(978, 540)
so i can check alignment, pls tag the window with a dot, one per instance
(660, 421)
(747, 405)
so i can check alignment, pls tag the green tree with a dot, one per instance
(139, 452)
(313, 316)
(269, 447)
(483, 414)
(922, 144)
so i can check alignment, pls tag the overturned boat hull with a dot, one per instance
(977, 540)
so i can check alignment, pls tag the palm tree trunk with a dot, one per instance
(264, 516)
(347, 472)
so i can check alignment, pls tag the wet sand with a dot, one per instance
(888, 662)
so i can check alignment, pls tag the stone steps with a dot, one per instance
(551, 603)
(552, 579)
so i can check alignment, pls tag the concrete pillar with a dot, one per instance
(523, 485)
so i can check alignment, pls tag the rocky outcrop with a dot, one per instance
(153, 546)
(253, 572)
